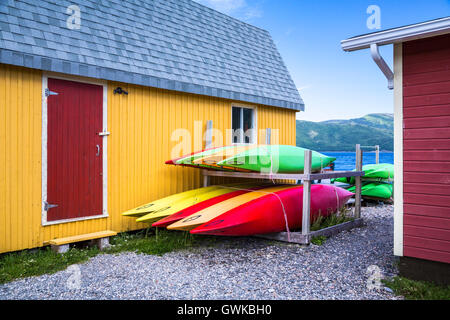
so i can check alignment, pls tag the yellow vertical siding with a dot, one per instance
(20, 158)
(141, 124)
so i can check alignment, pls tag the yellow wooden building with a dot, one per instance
(89, 108)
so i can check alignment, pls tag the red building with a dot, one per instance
(421, 83)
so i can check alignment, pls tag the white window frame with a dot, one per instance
(254, 137)
(44, 140)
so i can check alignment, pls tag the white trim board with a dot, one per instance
(44, 142)
(397, 35)
(398, 149)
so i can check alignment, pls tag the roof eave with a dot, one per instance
(402, 34)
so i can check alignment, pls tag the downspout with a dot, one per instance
(382, 65)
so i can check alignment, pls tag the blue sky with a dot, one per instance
(334, 84)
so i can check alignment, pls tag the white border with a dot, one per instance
(255, 124)
(44, 137)
(398, 149)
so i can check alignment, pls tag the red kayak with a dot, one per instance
(266, 215)
(200, 206)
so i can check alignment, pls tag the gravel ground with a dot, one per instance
(235, 268)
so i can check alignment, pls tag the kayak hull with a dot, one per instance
(199, 206)
(205, 215)
(276, 159)
(266, 214)
(375, 190)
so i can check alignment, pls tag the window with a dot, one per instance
(243, 125)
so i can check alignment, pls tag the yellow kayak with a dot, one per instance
(216, 210)
(167, 201)
(187, 202)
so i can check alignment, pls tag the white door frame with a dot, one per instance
(44, 142)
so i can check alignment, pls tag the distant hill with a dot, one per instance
(343, 135)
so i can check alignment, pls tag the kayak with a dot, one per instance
(276, 159)
(376, 172)
(375, 189)
(164, 202)
(172, 199)
(177, 206)
(275, 213)
(205, 215)
(220, 155)
(196, 155)
(200, 206)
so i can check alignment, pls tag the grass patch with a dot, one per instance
(27, 263)
(319, 240)
(417, 290)
(337, 218)
(157, 243)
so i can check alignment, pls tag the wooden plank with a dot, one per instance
(428, 211)
(298, 237)
(426, 77)
(425, 232)
(429, 100)
(440, 155)
(81, 237)
(426, 133)
(426, 221)
(427, 122)
(377, 154)
(426, 188)
(426, 111)
(294, 237)
(427, 46)
(283, 176)
(427, 144)
(416, 177)
(426, 89)
(426, 199)
(426, 254)
(333, 230)
(306, 194)
(418, 166)
(431, 244)
(358, 186)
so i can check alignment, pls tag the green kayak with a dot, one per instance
(276, 159)
(189, 159)
(375, 189)
(376, 172)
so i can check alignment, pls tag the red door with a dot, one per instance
(74, 150)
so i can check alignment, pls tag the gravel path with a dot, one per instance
(235, 268)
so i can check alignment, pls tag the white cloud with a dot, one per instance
(240, 9)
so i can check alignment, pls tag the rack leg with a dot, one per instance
(358, 182)
(306, 195)
(377, 154)
(205, 181)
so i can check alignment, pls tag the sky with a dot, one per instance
(333, 84)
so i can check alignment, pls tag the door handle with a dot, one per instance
(98, 150)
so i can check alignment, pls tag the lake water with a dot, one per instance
(346, 160)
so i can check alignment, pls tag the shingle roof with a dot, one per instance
(170, 44)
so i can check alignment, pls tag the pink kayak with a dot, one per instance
(267, 214)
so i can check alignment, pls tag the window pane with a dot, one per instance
(236, 123)
(248, 125)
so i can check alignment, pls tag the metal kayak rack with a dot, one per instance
(307, 178)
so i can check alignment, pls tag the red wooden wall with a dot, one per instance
(426, 148)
